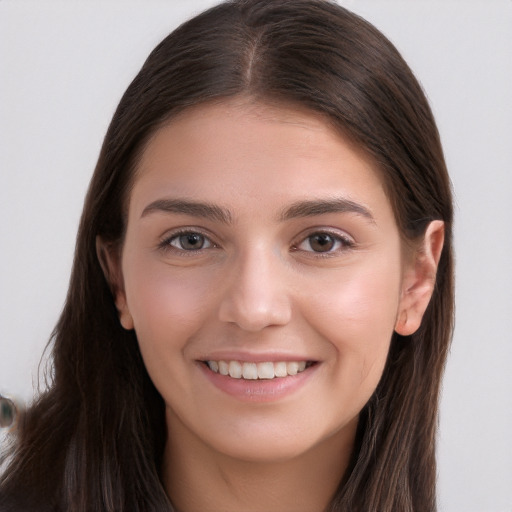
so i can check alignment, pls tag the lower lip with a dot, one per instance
(259, 390)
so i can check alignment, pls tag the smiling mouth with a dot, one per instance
(258, 371)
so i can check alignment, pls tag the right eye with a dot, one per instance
(188, 241)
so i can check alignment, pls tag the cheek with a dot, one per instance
(166, 303)
(357, 318)
(168, 307)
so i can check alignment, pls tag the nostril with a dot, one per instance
(256, 314)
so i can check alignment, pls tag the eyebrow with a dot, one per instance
(187, 207)
(308, 208)
(311, 208)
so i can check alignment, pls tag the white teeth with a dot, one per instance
(292, 368)
(265, 370)
(280, 369)
(214, 366)
(250, 371)
(235, 369)
(223, 368)
(253, 371)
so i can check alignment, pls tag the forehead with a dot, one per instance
(242, 149)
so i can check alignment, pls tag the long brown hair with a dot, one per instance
(94, 440)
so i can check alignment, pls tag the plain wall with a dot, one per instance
(63, 68)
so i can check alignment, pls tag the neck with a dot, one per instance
(196, 477)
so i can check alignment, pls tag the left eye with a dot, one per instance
(190, 241)
(324, 243)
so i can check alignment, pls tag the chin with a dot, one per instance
(272, 442)
(265, 451)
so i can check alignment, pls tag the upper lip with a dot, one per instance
(254, 357)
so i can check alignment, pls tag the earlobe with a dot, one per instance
(108, 258)
(419, 280)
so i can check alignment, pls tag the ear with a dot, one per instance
(109, 258)
(419, 280)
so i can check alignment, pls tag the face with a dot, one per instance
(262, 271)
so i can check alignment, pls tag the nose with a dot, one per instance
(256, 294)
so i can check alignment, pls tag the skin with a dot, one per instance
(260, 287)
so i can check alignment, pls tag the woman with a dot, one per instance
(261, 301)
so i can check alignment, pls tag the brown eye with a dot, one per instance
(190, 242)
(322, 242)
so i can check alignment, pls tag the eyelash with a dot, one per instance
(166, 243)
(341, 242)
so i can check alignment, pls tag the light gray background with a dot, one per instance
(63, 68)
